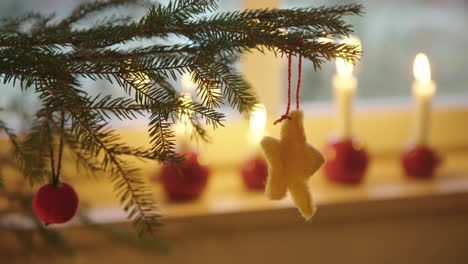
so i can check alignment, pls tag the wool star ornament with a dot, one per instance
(291, 162)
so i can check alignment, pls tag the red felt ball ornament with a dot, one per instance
(55, 204)
(346, 161)
(254, 172)
(420, 161)
(184, 181)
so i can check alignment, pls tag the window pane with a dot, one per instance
(392, 33)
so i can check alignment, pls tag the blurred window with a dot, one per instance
(392, 33)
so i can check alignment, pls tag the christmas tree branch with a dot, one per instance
(51, 56)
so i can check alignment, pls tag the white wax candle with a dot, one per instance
(257, 124)
(344, 84)
(423, 91)
(183, 128)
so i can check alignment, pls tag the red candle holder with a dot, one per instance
(346, 161)
(420, 161)
(254, 171)
(184, 181)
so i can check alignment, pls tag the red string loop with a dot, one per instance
(298, 88)
(283, 117)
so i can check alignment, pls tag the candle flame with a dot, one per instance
(186, 99)
(183, 126)
(343, 67)
(139, 78)
(423, 85)
(422, 68)
(257, 123)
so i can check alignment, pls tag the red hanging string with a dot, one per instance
(298, 88)
(299, 79)
(286, 114)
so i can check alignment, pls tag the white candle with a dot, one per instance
(344, 84)
(423, 91)
(183, 127)
(257, 124)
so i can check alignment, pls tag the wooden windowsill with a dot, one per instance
(226, 194)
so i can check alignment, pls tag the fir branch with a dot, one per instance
(33, 158)
(162, 137)
(12, 137)
(86, 9)
(118, 54)
(211, 76)
(52, 56)
(129, 186)
(83, 160)
(12, 25)
(93, 133)
(30, 159)
(168, 66)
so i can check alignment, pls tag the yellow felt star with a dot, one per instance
(291, 162)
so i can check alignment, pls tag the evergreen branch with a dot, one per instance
(129, 186)
(185, 9)
(94, 136)
(86, 9)
(125, 108)
(51, 59)
(11, 136)
(207, 87)
(199, 131)
(167, 65)
(33, 155)
(211, 76)
(30, 154)
(162, 137)
(13, 140)
(112, 55)
(83, 160)
(11, 25)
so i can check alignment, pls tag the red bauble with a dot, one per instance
(55, 205)
(184, 181)
(346, 161)
(420, 161)
(254, 172)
